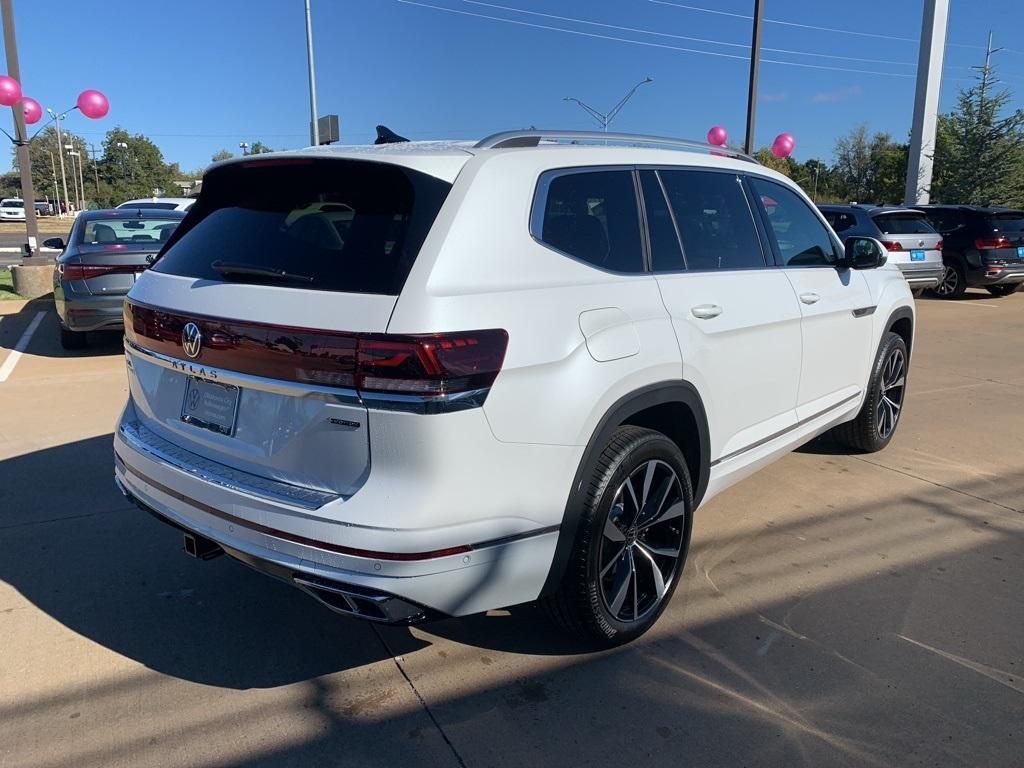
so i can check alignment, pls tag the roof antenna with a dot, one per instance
(386, 136)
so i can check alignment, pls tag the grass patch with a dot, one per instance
(48, 226)
(7, 287)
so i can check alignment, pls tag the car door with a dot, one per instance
(735, 317)
(835, 304)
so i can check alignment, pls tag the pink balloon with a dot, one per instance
(33, 110)
(93, 104)
(783, 145)
(717, 136)
(10, 91)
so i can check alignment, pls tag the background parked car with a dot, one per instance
(43, 208)
(105, 252)
(983, 247)
(12, 209)
(912, 243)
(159, 204)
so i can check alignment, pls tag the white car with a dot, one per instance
(12, 209)
(435, 379)
(160, 203)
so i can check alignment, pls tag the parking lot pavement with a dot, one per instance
(835, 609)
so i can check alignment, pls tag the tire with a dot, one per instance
(1002, 290)
(627, 557)
(876, 423)
(72, 339)
(953, 283)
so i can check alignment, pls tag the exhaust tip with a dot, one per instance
(201, 548)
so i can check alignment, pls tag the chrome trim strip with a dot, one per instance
(782, 432)
(864, 311)
(424, 404)
(247, 380)
(148, 442)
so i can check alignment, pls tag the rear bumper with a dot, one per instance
(922, 276)
(449, 569)
(996, 275)
(86, 312)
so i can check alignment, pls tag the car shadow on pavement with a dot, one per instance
(891, 631)
(45, 341)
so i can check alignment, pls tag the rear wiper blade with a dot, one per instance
(238, 268)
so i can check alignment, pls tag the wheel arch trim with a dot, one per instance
(675, 392)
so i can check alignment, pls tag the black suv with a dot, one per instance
(982, 247)
(913, 244)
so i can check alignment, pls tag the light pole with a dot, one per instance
(95, 171)
(56, 118)
(605, 118)
(74, 177)
(124, 157)
(314, 127)
(244, 147)
(76, 157)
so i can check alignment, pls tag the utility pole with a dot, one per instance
(926, 101)
(24, 160)
(314, 127)
(755, 63)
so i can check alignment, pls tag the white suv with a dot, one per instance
(430, 379)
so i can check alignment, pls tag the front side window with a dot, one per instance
(714, 220)
(592, 216)
(801, 237)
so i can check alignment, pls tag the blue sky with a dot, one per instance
(199, 76)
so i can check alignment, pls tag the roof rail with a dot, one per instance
(532, 138)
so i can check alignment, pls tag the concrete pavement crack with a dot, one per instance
(419, 696)
(937, 485)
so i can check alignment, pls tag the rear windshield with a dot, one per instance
(327, 225)
(904, 224)
(133, 232)
(1012, 221)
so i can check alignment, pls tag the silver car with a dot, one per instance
(912, 243)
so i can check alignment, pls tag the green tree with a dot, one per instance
(259, 148)
(133, 166)
(45, 153)
(869, 168)
(979, 149)
(221, 154)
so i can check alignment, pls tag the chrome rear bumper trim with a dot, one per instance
(148, 442)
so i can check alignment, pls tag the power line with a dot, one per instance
(744, 46)
(649, 44)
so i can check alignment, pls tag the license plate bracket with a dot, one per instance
(917, 255)
(210, 405)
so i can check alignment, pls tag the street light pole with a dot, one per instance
(605, 118)
(69, 148)
(60, 154)
(315, 129)
(24, 158)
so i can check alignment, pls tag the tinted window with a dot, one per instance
(714, 220)
(942, 221)
(903, 224)
(333, 225)
(801, 237)
(592, 216)
(13, 204)
(151, 206)
(666, 255)
(1009, 222)
(839, 221)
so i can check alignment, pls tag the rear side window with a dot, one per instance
(903, 224)
(714, 219)
(840, 222)
(802, 239)
(326, 225)
(943, 221)
(592, 216)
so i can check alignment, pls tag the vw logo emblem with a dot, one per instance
(191, 340)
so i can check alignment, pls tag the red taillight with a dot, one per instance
(85, 271)
(989, 243)
(938, 246)
(892, 245)
(434, 364)
(422, 364)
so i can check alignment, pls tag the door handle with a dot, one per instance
(809, 298)
(706, 311)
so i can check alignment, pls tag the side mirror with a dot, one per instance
(863, 253)
(54, 242)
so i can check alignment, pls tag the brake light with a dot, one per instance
(985, 244)
(433, 364)
(86, 271)
(938, 246)
(892, 245)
